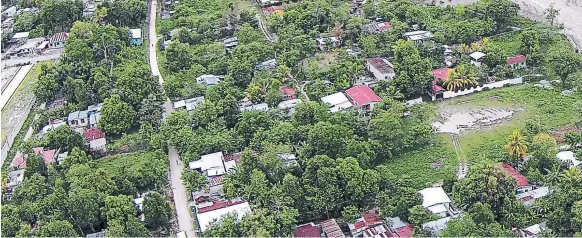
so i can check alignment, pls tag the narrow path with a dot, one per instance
(265, 30)
(185, 222)
(463, 168)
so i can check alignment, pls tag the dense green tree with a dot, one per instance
(412, 72)
(57, 229)
(351, 213)
(564, 63)
(84, 209)
(157, 210)
(193, 180)
(10, 220)
(419, 215)
(325, 138)
(25, 231)
(35, 164)
(309, 113)
(116, 116)
(76, 156)
(32, 189)
(151, 111)
(59, 16)
(247, 34)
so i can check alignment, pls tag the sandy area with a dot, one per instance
(457, 120)
(570, 15)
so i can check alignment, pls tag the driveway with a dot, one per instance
(185, 222)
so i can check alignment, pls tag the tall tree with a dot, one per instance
(516, 145)
(116, 116)
(57, 229)
(460, 77)
(157, 210)
(564, 63)
(412, 71)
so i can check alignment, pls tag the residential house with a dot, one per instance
(278, 10)
(309, 230)
(530, 197)
(9, 12)
(533, 231)
(189, 104)
(268, 2)
(53, 124)
(522, 185)
(287, 158)
(331, 229)
(363, 98)
(323, 42)
(437, 201)
(15, 178)
(48, 156)
(369, 221)
(269, 65)
(477, 58)
(94, 112)
(213, 189)
(288, 92)
(435, 227)
(58, 40)
(569, 158)
(258, 107)
(208, 79)
(210, 164)
(516, 62)
(211, 211)
(100, 234)
(289, 106)
(400, 228)
(418, 37)
(135, 36)
(19, 161)
(88, 11)
(138, 202)
(381, 68)
(96, 139)
(78, 119)
(230, 43)
(440, 75)
(337, 102)
(377, 27)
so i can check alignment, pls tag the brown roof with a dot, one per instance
(381, 65)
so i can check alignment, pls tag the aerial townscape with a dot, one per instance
(291, 118)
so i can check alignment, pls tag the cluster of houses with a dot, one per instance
(22, 45)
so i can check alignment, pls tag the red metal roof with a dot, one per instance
(271, 9)
(441, 74)
(216, 181)
(521, 180)
(93, 134)
(236, 157)
(372, 218)
(525, 199)
(47, 155)
(331, 229)
(308, 230)
(405, 231)
(362, 95)
(288, 90)
(379, 231)
(384, 27)
(515, 59)
(218, 205)
(19, 162)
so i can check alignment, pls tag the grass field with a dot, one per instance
(143, 169)
(418, 164)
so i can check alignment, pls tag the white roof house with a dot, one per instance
(532, 231)
(337, 102)
(135, 33)
(211, 164)
(289, 105)
(569, 158)
(189, 104)
(528, 198)
(258, 107)
(208, 79)
(435, 227)
(21, 35)
(15, 177)
(418, 36)
(210, 211)
(435, 200)
(53, 125)
(477, 55)
(98, 144)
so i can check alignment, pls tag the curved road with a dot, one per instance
(185, 222)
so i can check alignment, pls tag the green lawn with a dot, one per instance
(418, 164)
(546, 106)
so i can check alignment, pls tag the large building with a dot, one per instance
(381, 68)
(211, 211)
(363, 98)
(337, 102)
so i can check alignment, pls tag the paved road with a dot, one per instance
(176, 166)
(49, 55)
(13, 85)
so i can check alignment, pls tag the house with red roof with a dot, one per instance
(19, 161)
(48, 156)
(288, 93)
(516, 61)
(400, 228)
(96, 139)
(363, 98)
(369, 221)
(440, 76)
(522, 185)
(308, 230)
(208, 212)
(331, 229)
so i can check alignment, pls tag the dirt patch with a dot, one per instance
(559, 133)
(464, 118)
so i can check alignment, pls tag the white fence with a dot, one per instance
(498, 84)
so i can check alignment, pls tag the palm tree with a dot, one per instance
(516, 145)
(571, 177)
(459, 77)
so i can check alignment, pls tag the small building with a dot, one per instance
(516, 62)
(331, 229)
(189, 104)
(337, 102)
(440, 76)
(309, 230)
(88, 11)
(96, 139)
(363, 98)
(288, 159)
(288, 92)
(230, 43)
(268, 2)
(208, 79)
(522, 185)
(15, 178)
(323, 42)
(436, 201)
(20, 36)
(277, 10)
(97, 235)
(477, 58)
(58, 40)
(78, 119)
(368, 221)
(289, 106)
(48, 156)
(400, 228)
(10, 12)
(139, 206)
(61, 157)
(381, 68)
(30, 47)
(53, 124)
(213, 164)
(19, 161)
(211, 211)
(435, 227)
(418, 37)
(533, 231)
(569, 158)
(529, 198)
(263, 107)
(269, 65)
(135, 36)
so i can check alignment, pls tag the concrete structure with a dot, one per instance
(135, 36)
(189, 104)
(337, 102)
(289, 106)
(569, 158)
(436, 201)
(29, 47)
(208, 79)
(381, 68)
(529, 198)
(477, 58)
(211, 211)
(418, 37)
(58, 40)
(78, 119)
(322, 43)
(15, 178)
(10, 12)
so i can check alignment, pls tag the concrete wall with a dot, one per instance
(498, 84)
